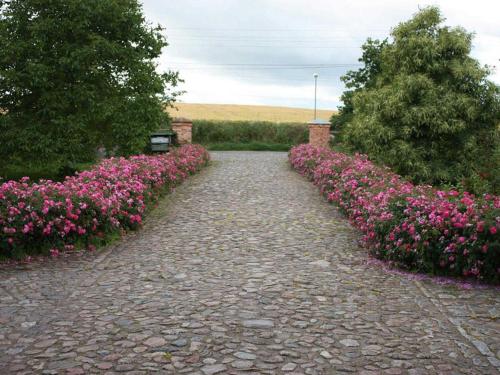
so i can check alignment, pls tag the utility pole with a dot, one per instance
(315, 75)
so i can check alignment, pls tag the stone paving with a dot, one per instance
(244, 269)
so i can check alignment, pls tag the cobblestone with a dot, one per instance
(243, 269)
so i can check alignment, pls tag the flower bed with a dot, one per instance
(415, 226)
(83, 210)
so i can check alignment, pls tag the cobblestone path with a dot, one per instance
(244, 269)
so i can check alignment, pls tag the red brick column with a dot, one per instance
(183, 127)
(319, 133)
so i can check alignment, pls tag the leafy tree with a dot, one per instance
(356, 80)
(431, 112)
(76, 75)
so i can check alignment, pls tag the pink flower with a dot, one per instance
(109, 197)
(480, 226)
(399, 218)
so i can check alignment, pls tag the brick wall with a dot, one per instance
(319, 135)
(184, 129)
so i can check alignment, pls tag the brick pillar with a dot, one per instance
(319, 133)
(184, 130)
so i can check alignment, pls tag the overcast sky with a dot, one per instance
(266, 51)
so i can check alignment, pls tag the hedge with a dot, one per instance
(416, 227)
(49, 217)
(215, 132)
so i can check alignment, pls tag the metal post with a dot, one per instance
(315, 75)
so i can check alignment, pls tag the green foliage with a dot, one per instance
(76, 75)
(356, 80)
(430, 112)
(36, 171)
(208, 132)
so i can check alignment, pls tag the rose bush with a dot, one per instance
(80, 212)
(415, 226)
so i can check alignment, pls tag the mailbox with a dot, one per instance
(161, 140)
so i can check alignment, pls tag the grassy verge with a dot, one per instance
(249, 146)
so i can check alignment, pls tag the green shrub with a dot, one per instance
(430, 111)
(35, 172)
(357, 80)
(76, 75)
(258, 133)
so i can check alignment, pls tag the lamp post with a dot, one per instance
(315, 75)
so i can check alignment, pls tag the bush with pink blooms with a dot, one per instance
(416, 227)
(49, 217)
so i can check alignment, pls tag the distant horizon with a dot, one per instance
(256, 105)
(265, 52)
(247, 112)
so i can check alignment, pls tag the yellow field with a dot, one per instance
(196, 111)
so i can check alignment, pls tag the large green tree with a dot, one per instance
(431, 112)
(75, 75)
(357, 80)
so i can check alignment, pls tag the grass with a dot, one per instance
(249, 146)
(236, 112)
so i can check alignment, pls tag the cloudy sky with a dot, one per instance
(266, 51)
